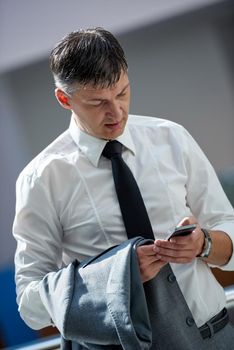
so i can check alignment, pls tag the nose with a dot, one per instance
(114, 110)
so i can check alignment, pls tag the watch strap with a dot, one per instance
(207, 244)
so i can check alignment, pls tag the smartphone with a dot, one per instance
(183, 230)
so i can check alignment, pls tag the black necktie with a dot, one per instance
(132, 206)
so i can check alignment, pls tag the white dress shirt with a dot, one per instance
(67, 207)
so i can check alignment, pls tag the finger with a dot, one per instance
(172, 244)
(188, 220)
(149, 272)
(147, 250)
(146, 257)
(183, 240)
(176, 252)
(173, 253)
(177, 260)
(148, 260)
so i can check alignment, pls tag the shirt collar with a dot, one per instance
(92, 146)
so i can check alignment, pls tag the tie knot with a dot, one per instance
(112, 148)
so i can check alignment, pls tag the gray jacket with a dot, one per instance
(101, 303)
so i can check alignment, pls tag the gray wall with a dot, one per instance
(179, 69)
(183, 70)
(28, 28)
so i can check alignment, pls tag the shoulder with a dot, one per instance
(56, 154)
(149, 121)
(155, 125)
(156, 133)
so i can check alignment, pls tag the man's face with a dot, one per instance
(102, 112)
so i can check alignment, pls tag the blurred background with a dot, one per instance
(181, 67)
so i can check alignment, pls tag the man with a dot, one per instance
(67, 207)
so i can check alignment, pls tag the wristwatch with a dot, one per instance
(207, 244)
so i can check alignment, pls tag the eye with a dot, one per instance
(123, 93)
(96, 103)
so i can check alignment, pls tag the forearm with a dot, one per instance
(185, 249)
(222, 248)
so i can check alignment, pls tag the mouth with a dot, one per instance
(113, 126)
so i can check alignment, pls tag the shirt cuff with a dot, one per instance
(32, 310)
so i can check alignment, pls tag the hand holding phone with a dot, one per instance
(183, 231)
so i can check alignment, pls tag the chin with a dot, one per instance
(114, 135)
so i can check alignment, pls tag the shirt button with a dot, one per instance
(171, 278)
(190, 321)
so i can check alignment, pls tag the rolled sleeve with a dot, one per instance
(29, 300)
(228, 228)
(38, 233)
(205, 195)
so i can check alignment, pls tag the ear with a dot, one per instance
(62, 98)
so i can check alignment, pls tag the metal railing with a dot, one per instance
(229, 292)
(48, 343)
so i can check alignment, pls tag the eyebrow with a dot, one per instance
(126, 86)
(101, 99)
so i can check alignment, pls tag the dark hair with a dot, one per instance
(87, 56)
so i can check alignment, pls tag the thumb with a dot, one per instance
(188, 220)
